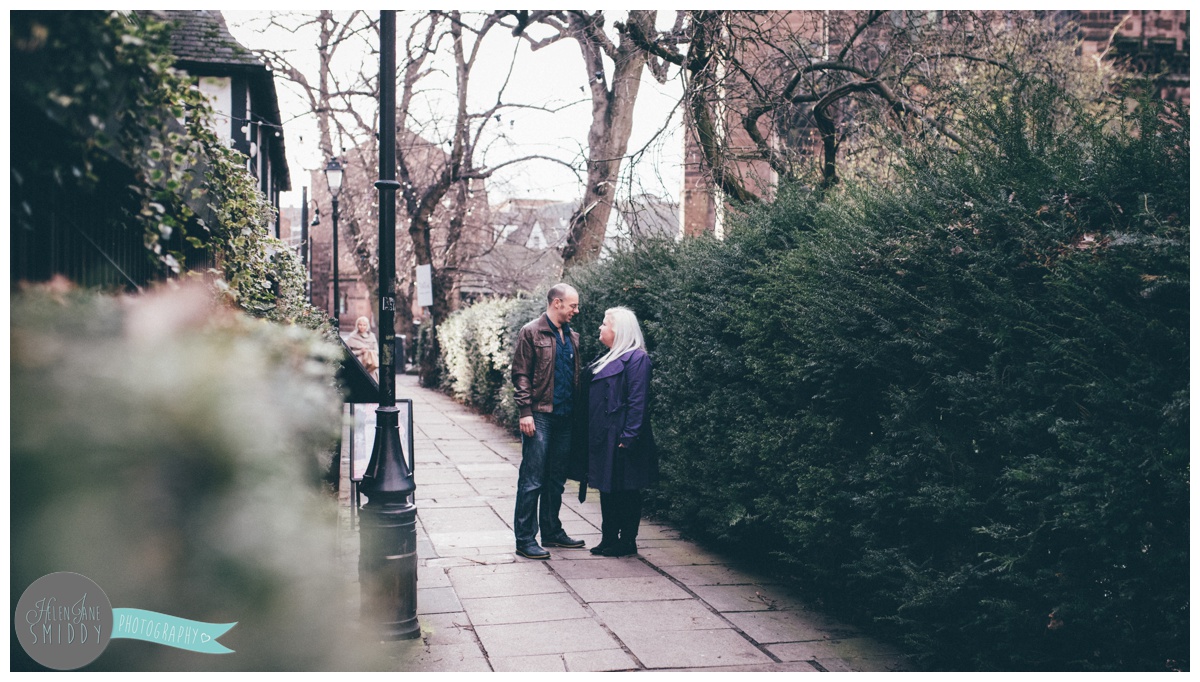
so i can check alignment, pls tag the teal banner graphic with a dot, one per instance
(160, 628)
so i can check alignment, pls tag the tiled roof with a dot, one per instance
(202, 36)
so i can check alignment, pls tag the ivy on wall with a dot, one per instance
(106, 80)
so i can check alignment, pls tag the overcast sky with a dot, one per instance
(551, 77)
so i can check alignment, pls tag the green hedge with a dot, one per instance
(955, 406)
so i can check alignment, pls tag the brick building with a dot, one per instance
(1154, 42)
(358, 207)
(1148, 41)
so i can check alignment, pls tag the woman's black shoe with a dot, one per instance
(620, 549)
(603, 547)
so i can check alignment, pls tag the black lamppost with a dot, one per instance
(304, 240)
(333, 174)
(387, 563)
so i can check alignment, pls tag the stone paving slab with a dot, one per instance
(863, 654)
(482, 555)
(726, 598)
(444, 502)
(836, 665)
(437, 600)
(470, 540)
(529, 664)
(489, 470)
(523, 609)
(414, 656)
(573, 520)
(426, 548)
(803, 667)
(443, 431)
(771, 627)
(474, 586)
(711, 575)
(494, 488)
(440, 475)
(571, 569)
(565, 554)
(476, 456)
(642, 588)
(508, 451)
(452, 519)
(502, 507)
(694, 649)
(627, 619)
(442, 491)
(678, 553)
(510, 564)
(599, 661)
(432, 576)
(553, 637)
(558, 554)
(802, 651)
(443, 629)
(648, 531)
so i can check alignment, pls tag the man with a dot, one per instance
(545, 371)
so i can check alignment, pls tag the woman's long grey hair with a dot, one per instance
(627, 335)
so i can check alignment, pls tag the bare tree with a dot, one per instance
(767, 91)
(435, 182)
(613, 93)
(440, 144)
(341, 95)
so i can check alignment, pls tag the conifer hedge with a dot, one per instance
(956, 405)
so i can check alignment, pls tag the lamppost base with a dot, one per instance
(387, 569)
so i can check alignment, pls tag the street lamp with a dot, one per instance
(387, 560)
(305, 261)
(333, 175)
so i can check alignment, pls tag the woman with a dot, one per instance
(364, 346)
(621, 453)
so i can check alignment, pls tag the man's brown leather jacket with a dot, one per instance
(533, 366)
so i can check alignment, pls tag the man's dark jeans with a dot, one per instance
(542, 477)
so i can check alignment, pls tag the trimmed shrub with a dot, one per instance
(476, 358)
(477, 352)
(955, 406)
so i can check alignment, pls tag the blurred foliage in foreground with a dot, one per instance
(171, 450)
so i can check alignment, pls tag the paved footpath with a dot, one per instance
(674, 606)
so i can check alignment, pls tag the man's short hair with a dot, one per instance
(558, 291)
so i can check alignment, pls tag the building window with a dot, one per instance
(537, 239)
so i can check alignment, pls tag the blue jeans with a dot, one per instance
(542, 478)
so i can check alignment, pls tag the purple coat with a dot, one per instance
(618, 402)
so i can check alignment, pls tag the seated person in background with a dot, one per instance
(365, 346)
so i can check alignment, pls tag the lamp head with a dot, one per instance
(333, 174)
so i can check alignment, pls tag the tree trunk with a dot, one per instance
(608, 137)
